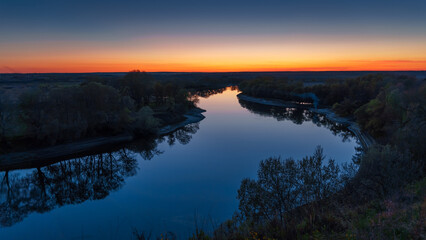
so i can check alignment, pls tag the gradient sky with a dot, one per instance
(205, 35)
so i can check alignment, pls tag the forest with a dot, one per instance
(380, 195)
(50, 114)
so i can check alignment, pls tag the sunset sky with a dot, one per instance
(204, 35)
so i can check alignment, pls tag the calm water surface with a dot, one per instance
(167, 185)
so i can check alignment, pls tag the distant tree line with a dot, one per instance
(270, 87)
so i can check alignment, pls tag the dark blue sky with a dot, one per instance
(157, 34)
(93, 19)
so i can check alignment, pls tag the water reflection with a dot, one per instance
(182, 135)
(209, 92)
(298, 116)
(77, 180)
(200, 173)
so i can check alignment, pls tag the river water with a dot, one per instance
(188, 178)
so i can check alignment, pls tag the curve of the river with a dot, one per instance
(188, 177)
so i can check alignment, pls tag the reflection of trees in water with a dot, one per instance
(146, 148)
(77, 180)
(298, 116)
(182, 135)
(67, 182)
(208, 92)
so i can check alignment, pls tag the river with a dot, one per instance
(188, 178)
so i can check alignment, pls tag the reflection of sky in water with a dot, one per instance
(199, 179)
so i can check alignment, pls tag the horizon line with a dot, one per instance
(286, 71)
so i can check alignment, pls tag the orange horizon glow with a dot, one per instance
(217, 54)
(355, 65)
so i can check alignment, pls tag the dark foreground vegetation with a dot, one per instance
(135, 104)
(381, 195)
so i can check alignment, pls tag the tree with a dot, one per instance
(6, 113)
(283, 185)
(138, 85)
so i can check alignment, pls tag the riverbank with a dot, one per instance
(44, 156)
(192, 116)
(364, 138)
